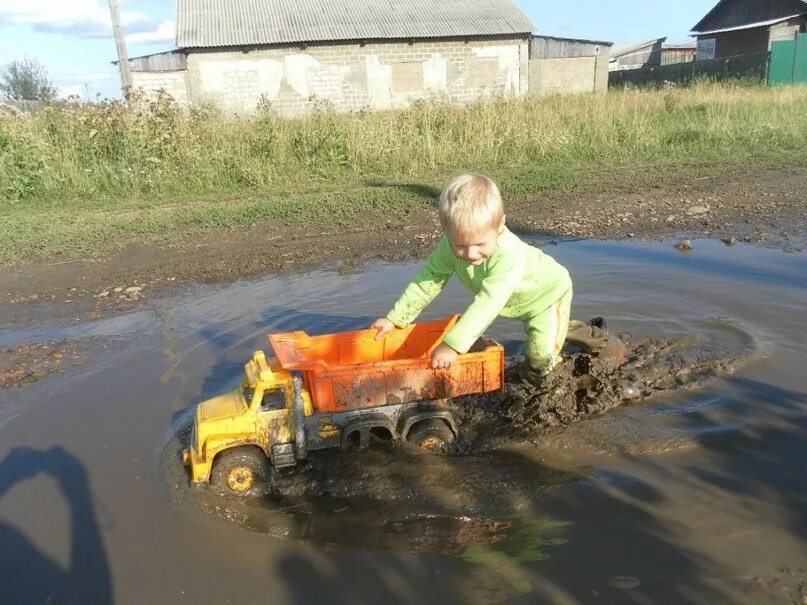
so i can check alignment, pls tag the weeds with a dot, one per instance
(114, 171)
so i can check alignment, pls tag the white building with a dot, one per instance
(352, 54)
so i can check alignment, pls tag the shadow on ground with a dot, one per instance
(421, 190)
(28, 575)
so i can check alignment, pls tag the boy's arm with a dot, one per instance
(496, 289)
(425, 287)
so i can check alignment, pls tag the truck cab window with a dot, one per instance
(273, 400)
(247, 391)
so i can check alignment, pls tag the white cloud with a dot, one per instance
(81, 18)
(164, 32)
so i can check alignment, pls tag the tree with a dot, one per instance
(26, 80)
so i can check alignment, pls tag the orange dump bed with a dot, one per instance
(352, 370)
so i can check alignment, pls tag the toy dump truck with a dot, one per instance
(334, 390)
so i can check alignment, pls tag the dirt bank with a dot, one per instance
(764, 207)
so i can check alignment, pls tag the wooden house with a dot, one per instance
(739, 27)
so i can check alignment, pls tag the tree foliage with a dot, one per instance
(26, 80)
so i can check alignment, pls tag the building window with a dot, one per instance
(705, 49)
(483, 73)
(407, 77)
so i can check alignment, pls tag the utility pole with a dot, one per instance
(120, 42)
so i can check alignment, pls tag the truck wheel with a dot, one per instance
(240, 472)
(433, 435)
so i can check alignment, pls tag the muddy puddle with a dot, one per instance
(691, 491)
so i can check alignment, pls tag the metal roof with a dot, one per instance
(696, 30)
(581, 40)
(627, 49)
(215, 23)
(172, 60)
(746, 26)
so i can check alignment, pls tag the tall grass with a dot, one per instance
(72, 154)
(74, 178)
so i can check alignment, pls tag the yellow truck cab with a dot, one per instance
(259, 414)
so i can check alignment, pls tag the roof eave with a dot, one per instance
(600, 42)
(709, 14)
(297, 42)
(746, 26)
(618, 52)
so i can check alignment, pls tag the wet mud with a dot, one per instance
(25, 364)
(676, 478)
(585, 385)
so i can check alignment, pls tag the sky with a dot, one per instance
(73, 38)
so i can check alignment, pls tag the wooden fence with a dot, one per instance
(754, 65)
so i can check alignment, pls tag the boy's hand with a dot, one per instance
(383, 325)
(443, 356)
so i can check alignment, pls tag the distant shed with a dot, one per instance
(167, 71)
(568, 65)
(635, 56)
(677, 53)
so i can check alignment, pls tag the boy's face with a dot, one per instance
(475, 247)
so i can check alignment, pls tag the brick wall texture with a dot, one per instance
(172, 82)
(350, 77)
(568, 75)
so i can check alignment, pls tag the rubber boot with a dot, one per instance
(593, 338)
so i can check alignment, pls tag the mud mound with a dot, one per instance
(582, 385)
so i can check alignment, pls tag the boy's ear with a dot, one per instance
(501, 225)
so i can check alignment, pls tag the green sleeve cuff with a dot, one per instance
(398, 321)
(459, 342)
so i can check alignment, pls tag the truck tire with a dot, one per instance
(240, 472)
(432, 435)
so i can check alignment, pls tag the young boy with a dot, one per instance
(507, 277)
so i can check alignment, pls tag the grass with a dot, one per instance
(83, 180)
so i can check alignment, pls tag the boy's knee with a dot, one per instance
(539, 367)
(526, 373)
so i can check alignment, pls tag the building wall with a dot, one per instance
(567, 65)
(787, 30)
(378, 75)
(670, 56)
(740, 42)
(756, 39)
(550, 47)
(569, 75)
(172, 82)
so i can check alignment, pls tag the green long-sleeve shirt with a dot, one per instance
(517, 280)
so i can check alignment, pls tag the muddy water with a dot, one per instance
(692, 496)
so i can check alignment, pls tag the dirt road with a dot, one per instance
(765, 207)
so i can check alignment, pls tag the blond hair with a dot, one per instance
(471, 203)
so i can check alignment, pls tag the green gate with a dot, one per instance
(788, 63)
